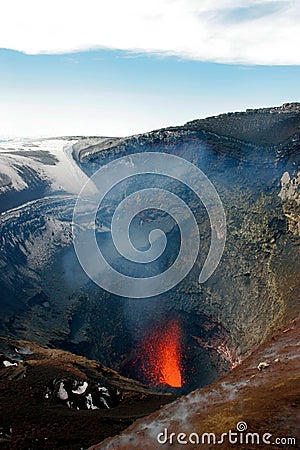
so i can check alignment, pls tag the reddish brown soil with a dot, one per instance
(38, 423)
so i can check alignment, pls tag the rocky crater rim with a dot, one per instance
(255, 128)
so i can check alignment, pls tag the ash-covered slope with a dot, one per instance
(56, 400)
(253, 160)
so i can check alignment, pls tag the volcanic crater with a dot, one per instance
(194, 334)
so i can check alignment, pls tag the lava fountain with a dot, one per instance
(161, 362)
(178, 353)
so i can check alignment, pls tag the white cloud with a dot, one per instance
(226, 31)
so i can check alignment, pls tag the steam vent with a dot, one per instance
(116, 371)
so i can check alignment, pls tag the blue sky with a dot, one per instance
(117, 68)
(106, 92)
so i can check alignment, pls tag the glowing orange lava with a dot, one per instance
(170, 356)
(162, 355)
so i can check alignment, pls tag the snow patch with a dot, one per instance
(62, 393)
(51, 159)
(81, 388)
(9, 364)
